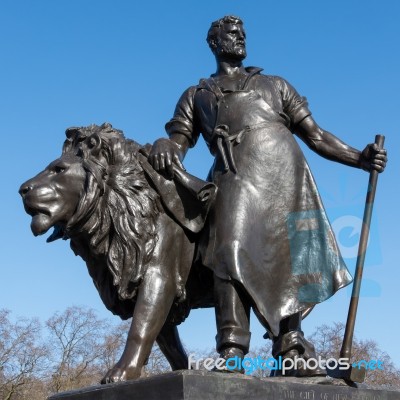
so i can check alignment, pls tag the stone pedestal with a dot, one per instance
(199, 385)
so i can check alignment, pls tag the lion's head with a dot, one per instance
(52, 196)
(96, 194)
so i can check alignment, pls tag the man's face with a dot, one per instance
(231, 42)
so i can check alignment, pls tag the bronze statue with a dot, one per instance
(267, 239)
(158, 244)
(132, 229)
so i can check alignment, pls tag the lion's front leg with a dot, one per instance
(155, 298)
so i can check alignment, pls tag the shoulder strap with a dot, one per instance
(212, 86)
(252, 71)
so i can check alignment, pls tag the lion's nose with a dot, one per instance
(24, 189)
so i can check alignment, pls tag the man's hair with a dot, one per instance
(213, 32)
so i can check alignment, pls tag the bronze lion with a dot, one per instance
(138, 242)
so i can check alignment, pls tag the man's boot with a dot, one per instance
(291, 344)
(234, 357)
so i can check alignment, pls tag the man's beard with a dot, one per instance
(227, 50)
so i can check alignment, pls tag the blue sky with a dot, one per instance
(127, 62)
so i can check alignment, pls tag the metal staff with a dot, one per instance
(358, 374)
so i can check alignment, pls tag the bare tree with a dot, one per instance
(77, 339)
(156, 363)
(22, 356)
(113, 345)
(83, 347)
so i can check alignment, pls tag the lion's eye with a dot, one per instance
(58, 169)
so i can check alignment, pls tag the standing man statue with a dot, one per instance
(268, 240)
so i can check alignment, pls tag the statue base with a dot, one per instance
(196, 385)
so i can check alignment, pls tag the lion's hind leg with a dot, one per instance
(170, 344)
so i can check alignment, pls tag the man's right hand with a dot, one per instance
(373, 158)
(164, 154)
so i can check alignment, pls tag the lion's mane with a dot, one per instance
(114, 226)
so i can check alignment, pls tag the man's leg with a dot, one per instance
(232, 313)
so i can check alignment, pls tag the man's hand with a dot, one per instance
(373, 158)
(164, 154)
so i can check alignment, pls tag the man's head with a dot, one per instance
(226, 38)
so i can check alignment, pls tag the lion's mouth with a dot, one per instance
(40, 224)
(32, 211)
(41, 218)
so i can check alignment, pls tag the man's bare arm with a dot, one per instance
(329, 146)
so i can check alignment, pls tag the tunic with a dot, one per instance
(268, 229)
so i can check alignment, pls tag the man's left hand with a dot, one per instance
(373, 158)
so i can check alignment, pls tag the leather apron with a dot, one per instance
(268, 229)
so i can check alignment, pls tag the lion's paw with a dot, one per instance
(118, 374)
